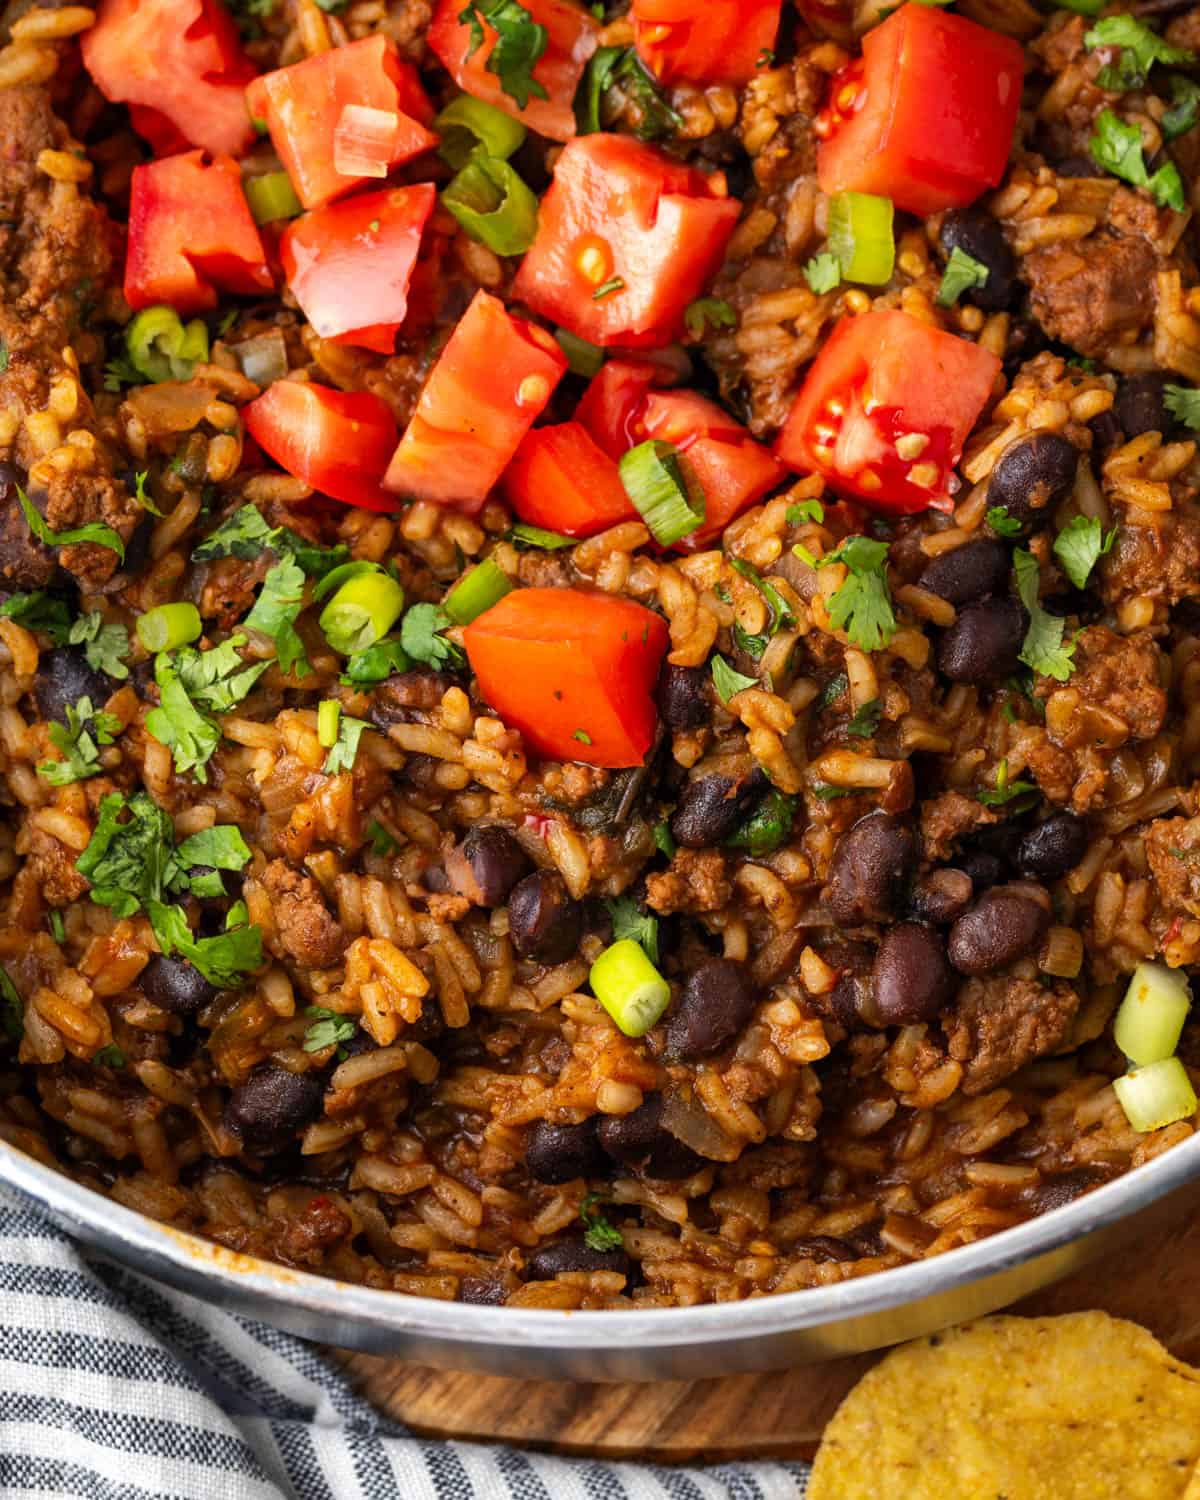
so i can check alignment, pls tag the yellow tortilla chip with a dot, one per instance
(1082, 1407)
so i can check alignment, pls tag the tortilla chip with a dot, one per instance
(1082, 1407)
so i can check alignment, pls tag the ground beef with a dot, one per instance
(1120, 674)
(1162, 562)
(54, 866)
(695, 882)
(1173, 849)
(946, 818)
(307, 931)
(25, 563)
(1000, 1023)
(229, 587)
(305, 1237)
(1094, 292)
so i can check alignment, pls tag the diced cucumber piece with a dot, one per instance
(1152, 1014)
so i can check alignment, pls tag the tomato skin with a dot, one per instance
(721, 41)
(180, 66)
(553, 662)
(609, 407)
(302, 106)
(489, 385)
(887, 375)
(560, 480)
(351, 262)
(926, 118)
(617, 208)
(572, 38)
(190, 232)
(337, 441)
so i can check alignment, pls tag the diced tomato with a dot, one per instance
(349, 264)
(574, 672)
(926, 116)
(571, 38)
(490, 384)
(613, 399)
(559, 479)
(720, 41)
(886, 408)
(337, 441)
(626, 239)
(303, 106)
(190, 233)
(730, 467)
(177, 63)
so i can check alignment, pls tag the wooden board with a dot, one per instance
(748, 1416)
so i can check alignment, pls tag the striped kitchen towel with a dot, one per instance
(113, 1387)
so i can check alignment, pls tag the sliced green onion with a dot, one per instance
(493, 205)
(653, 480)
(582, 358)
(1156, 1095)
(168, 626)
(469, 125)
(161, 348)
(362, 612)
(271, 197)
(329, 711)
(1151, 1016)
(479, 590)
(859, 229)
(629, 987)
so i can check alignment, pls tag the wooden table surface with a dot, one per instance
(749, 1416)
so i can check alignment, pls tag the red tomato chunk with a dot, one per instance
(627, 238)
(180, 67)
(337, 441)
(574, 672)
(885, 410)
(349, 265)
(561, 480)
(926, 116)
(610, 406)
(190, 233)
(571, 34)
(304, 107)
(719, 41)
(490, 384)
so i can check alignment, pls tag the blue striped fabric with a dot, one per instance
(113, 1387)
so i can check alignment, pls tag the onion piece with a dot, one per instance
(263, 358)
(688, 1121)
(365, 140)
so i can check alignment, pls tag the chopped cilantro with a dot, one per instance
(344, 750)
(1117, 148)
(221, 846)
(663, 841)
(963, 272)
(1080, 545)
(39, 611)
(246, 535)
(217, 680)
(1183, 404)
(728, 682)
(132, 862)
(119, 371)
(189, 734)
(422, 638)
(623, 69)
(520, 42)
(1005, 790)
(140, 495)
(752, 645)
(833, 690)
(629, 922)
(225, 959)
(279, 602)
(708, 312)
(865, 721)
(823, 272)
(782, 615)
(78, 741)
(766, 827)
(94, 531)
(1043, 649)
(376, 663)
(827, 792)
(598, 1233)
(382, 842)
(862, 607)
(108, 1057)
(1184, 112)
(804, 510)
(327, 1029)
(104, 646)
(1141, 47)
(1001, 522)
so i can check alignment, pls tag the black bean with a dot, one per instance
(174, 984)
(851, 1002)
(137, 548)
(970, 572)
(823, 1247)
(683, 697)
(979, 235)
(871, 865)
(712, 805)
(272, 1106)
(984, 868)
(573, 1254)
(1033, 474)
(638, 1140)
(1057, 1192)
(717, 1001)
(911, 979)
(543, 921)
(487, 864)
(942, 896)
(482, 1291)
(1053, 847)
(561, 1153)
(1004, 924)
(1140, 407)
(1077, 166)
(984, 643)
(1106, 435)
(64, 677)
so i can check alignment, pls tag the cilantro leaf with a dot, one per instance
(623, 69)
(752, 645)
(708, 312)
(629, 922)
(1001, 522)
(218, 679)
(823, 272)
(129, 863)
(1043, 649)
(327, 1029)
(119, 371)
(276, 609)
(728, 682)
(520, 42)
(94, 531)
(782, 615)
(225, 959)
(963, 272)
(767, 826)
(108, 1057)
(598, 1233)
(1184, 112)
(376, 663)
(104, 646)
(1183, 404)
(12, 1008)
(827, 792)
(39, 611)
(383, 843)
(140, 496)
(1004, 790)
(1080, 545)
(1141, 47)
(865, 721)
(78, 742)
(222, 847)
(804, 510)
(421, 638)
(190, 735)
(344, 750)
(862, 607)
(833, 690)
(663, 841)
(246, 535)
(1117, 148)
